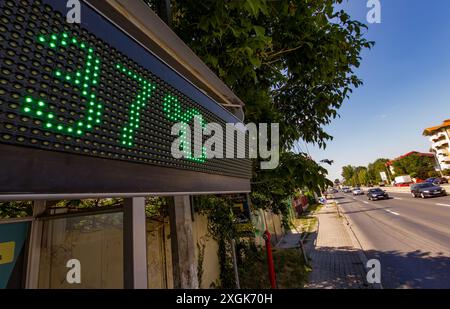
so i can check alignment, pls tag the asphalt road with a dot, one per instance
(410, 237)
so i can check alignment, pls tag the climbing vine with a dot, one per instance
(222, 228)
(15, 209)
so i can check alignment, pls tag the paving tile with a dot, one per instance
(335, 262)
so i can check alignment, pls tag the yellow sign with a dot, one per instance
(239, 205)
(7, 252)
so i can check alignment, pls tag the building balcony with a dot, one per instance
(443, 143)
(438, 136)
(442, 151)
(445, 166)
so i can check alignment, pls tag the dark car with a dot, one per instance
(437, 180)
(377, 194)
(427, 189)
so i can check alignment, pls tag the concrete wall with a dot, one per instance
(204, 242)
(208, 246)
(159, 254)
(273, 224)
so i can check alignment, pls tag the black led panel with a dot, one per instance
(64, 89)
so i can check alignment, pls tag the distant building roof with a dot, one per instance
(422, 154)
(432, 130)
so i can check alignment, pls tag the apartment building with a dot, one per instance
(440, 142)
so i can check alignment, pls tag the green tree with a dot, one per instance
(416, 166)
(363, 176)
(273, 187)
(292, 62)
(356, 176)
(359, 177)
(347, 173)
(355, 180)
(374, 169)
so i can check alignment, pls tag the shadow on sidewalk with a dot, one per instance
(346, 202)
(336, 268)
(290, 240)
(415, 269)
(340, 268)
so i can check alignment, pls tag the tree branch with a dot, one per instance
(284, 51)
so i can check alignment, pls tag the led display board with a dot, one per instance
(90, 89)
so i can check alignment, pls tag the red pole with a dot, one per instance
(270, 265)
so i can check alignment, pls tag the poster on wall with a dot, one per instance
(13, 238)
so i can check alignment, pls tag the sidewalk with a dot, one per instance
(334, 259)
(290, 240)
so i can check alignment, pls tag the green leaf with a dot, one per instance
(253, 5)
(260, 31)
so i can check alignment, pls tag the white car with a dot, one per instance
(346, 190)
(357, 191)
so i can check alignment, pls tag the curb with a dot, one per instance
(357, 245)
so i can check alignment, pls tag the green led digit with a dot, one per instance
(147, 89)
(172, 109)
(85, 80)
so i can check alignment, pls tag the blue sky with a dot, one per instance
(406, 85)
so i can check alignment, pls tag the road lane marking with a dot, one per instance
(446, 205)
(365, 202)
(393, 212)
(398, 198)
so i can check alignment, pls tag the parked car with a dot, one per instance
(436, 180)
(413, 186)
(442, 180)
(377, 194)
(427, 189)
(357, 191)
